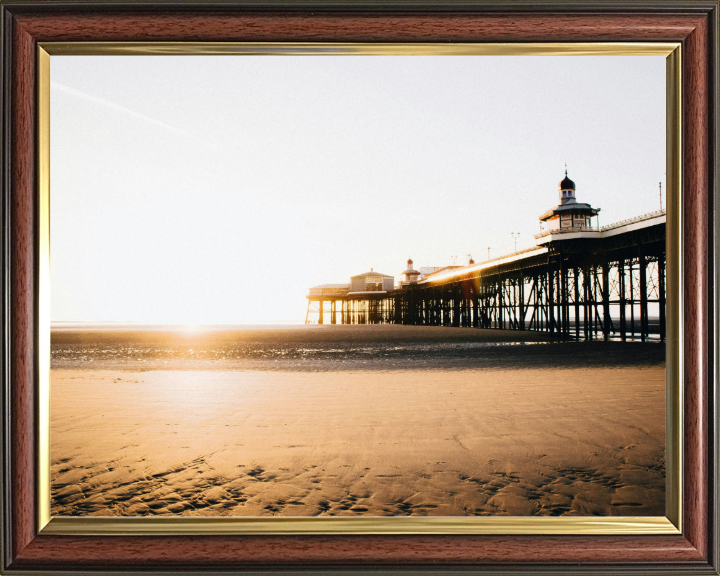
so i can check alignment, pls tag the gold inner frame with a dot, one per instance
(671, 524)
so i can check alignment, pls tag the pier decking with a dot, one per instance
(582, 283)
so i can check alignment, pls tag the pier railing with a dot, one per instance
(582, 288)
(572, 230)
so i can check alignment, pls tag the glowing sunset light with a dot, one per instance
(224, 199)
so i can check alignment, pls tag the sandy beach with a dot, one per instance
(453, 422)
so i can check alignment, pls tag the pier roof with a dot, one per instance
(572, 207)
(643, 221)
(629, 225)
(328, 290)
(462, 270)
(439, 270)
(371, 273)
(332, 286)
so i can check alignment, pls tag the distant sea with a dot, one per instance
(329, 347)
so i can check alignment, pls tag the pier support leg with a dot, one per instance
(476, 322)
(631, 277)
(501, 304)
(576, 298)
(606, 299)
(587, 308)
(551, 300)
(623, 304)
(643, 298)
(521, 308)
(456, 306)
(565, 321)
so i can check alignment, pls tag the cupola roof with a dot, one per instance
(566, 183)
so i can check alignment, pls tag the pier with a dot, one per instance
(578, 281)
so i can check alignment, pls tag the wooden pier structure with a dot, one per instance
(581, 282)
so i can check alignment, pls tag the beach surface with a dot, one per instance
(355, 420)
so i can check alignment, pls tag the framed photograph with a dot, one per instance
(360, 287)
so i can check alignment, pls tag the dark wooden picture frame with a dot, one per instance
(693, 24)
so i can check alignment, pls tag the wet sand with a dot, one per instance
(450, 424)
(338, 347)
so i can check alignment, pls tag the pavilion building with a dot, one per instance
(569, 213)
(410, 276)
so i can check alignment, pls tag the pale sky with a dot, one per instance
(207, 189)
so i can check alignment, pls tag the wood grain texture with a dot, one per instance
(695, 278)
(221, 552)
(659, 553)
(249, 27)
(22, 263)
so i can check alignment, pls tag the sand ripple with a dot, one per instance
(195, 490)
(551, 441)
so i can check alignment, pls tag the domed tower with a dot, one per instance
(410, 275)
(566, 189)
(569, 214)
